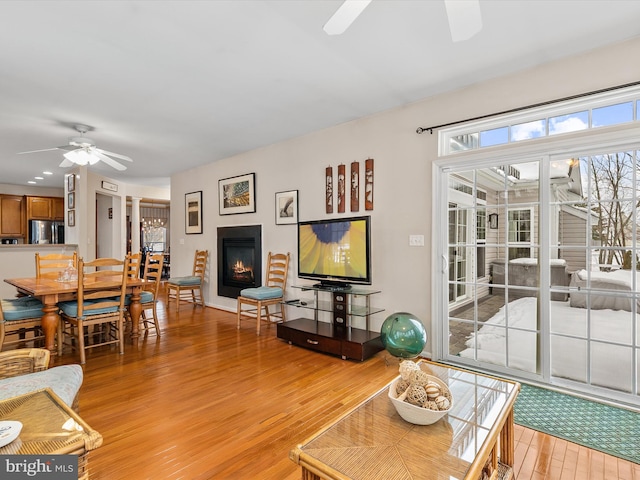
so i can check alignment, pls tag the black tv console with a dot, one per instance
(337, 336)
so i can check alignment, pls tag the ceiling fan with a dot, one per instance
(83, 151)
(464, 17)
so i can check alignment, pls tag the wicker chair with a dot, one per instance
(23, 360)
(272, 293)
(183, 288)
(26, 370)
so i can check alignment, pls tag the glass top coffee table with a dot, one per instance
(473, 441)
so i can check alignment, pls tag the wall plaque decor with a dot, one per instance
(237, 194)
(71, 182)
(368, 184)
(355, 186)
(287, 207)
(341, 187)
(329, 189)
(193, 212)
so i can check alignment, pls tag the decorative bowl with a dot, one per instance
(413, 413)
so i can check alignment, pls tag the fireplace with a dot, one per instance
(239, 259)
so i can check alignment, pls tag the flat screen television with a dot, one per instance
(337, 251)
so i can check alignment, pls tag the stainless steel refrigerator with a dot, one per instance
(46, 231)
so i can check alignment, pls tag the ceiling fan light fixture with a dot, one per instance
(81, 157)
(465, 18)
(345, 16)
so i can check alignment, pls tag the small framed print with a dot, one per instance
(71, 182)
(287, 207)
(193, 212)
(329, 190)
(355, 186)
(71, 218)
(71, 200)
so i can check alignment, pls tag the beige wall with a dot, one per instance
(402, 189)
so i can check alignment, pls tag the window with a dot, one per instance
(520, 232)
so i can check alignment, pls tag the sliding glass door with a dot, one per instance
(542, 257)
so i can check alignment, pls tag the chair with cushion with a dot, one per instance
(153, 266)
(25, 370)
(133, 270)
(50, 266)
(185, 288)
(271, 293)
(102, 286)
(20, 316)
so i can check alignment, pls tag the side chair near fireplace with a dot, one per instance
(185, 288)
(271, 293)
(102, 286)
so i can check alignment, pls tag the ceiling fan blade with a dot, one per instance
(465, 19)
(344, 16)
(109, 161)
(117, 155)
(66, 163)
(65, 147)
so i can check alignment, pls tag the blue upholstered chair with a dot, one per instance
(185, 288)
(271, 293)
(20, 316)
(102, 286)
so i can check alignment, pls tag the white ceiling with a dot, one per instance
(176, 84)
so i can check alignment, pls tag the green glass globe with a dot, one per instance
(403, 335)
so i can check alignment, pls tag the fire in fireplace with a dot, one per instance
(239, 259)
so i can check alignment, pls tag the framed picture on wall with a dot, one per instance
(71, 182)
(193, 212)
(71, 218)
(71, 200)
(287, 207)
(237, 194)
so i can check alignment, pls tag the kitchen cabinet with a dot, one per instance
(45, 208)
(12, 218)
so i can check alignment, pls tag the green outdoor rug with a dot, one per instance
(611, 430)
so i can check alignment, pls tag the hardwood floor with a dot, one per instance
(208, 401)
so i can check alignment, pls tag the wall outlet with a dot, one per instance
(182, 241)
(416, 240)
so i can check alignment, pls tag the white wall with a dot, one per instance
(402, 177)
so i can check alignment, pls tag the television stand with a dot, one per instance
(337, 336)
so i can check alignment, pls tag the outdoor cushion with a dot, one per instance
(145, 297)
(64, 380)
(21, 308)
(261, 293)
(71, 308)
(190, 280)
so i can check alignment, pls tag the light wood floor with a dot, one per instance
(206, 401)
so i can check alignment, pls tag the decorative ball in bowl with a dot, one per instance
(423, 402)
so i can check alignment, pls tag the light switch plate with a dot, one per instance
(416, 240)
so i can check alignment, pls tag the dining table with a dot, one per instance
(50, 291)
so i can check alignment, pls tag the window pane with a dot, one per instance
(569, 123)
(463, 142)
(497, 136)
(612, 115)
(528, 130)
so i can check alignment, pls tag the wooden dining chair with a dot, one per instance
(185, 288)
(271, 293)
(153, 265)
(134, 264)
(50, 265)
(102, 285)
(21, 321)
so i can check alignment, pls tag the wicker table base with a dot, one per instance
(49, 426)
